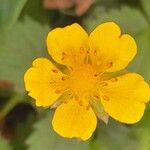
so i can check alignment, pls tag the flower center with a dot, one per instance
(82, 80)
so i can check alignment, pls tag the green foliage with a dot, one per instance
(23, 130)
(114, 136)
(142, 129)
(35, 10)
(140, 64)
(45, 138)
(4, 145)
(130, 20)
(144, 138)
(10, 11)
(145, 6)
(19, 47)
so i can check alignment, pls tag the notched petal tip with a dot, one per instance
(40, 82)
(107, 28)
(127, 98)
(66, 40)
(112, 46)
(72, 120)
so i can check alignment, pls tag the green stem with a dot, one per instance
(12, 102)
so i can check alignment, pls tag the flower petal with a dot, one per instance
(109, 49)
(67, 45)
(73, 119)
(124, 97)
(43, 81)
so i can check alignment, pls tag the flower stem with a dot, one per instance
(12, 102)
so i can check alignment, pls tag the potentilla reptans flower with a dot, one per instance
(88, 86)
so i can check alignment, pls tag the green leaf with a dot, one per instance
(141, 62)
(144, 138)
(34, 9)
(45, 138)
(19, 47)
(146, 5)
(130, 20)
(4, 145)
(114, 136)
(142, 130)
(108, 3)
(10, 11)
(25, 128)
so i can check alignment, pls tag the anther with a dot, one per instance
(80, 103)
(54, 70)
(96, 74)
(106, 98)
(87, 52)
(63, 56)
(88, 107)
(96, 96)
(57, 91)
(52, 82)
(63, 53)
(81, 50)
(104, 84)
(63, 78)
(71, 67)
(65, 102)
(95, 52)
(120, 36)
(114, 79)
(109, 64)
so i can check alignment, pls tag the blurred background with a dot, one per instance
(24, 25)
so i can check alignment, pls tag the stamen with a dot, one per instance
(70, 67)
(77, 98)
(96, 96)
(104, 84)
(88, 107)
(82, 50)
(106, 98)
(65, 102)
(63, 53)
(54, 70)
(63, 79)
(96, 74)
(57, 91)
(114, 79)
(63, 56)
(86, 60)
(95, 52)
(109, 64)
(80, 103)
(52, 82)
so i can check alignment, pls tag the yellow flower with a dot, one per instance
(88, 86)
